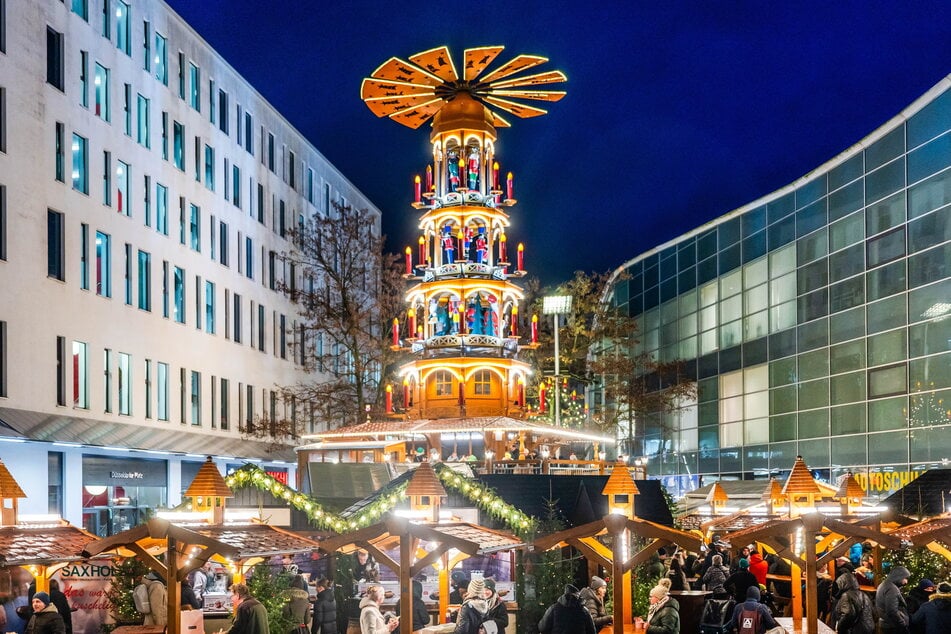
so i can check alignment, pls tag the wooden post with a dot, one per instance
(443, 588)
(406, 585)
(173, 588)
(811, 524)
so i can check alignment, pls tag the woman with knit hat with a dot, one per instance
(474, 609)
(663, 616)
(46, 618)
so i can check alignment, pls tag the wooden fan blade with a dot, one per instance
(418, 115)
(396, 69)
(519, 110)
(516, 65)
(500, 121)
(476, 59)
(387, 106)
(538, 95)
(381, 89)
(436, 61)
(551, 77)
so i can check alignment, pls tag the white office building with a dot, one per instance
(146, 195)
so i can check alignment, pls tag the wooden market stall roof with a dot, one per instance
(9, 487)
(25, 545)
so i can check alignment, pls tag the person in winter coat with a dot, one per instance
(678, 580)
(567, 615)
(158, 600)
(663, 616)
(371, 619)
(758, 567)
(740, 581)
(297, 607)
(752, 604)
(325, 609)
(716, 575)
(420, 612)
(934, 617)
(495, 607)
(593, 599)
(474, 609)
(892, 610)
(62, 605)
(853, 612)
(187, 598)
(46, 618)
(250, 615)
(917, 596)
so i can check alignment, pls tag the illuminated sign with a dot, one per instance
(885, 481)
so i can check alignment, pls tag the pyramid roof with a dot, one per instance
(9, 488)
(800, 481)
(208, 483)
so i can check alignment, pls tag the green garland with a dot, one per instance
(251, 475)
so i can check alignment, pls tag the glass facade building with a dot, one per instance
(816, 320)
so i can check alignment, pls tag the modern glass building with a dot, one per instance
(815, 320)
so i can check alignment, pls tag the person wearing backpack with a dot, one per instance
(751, 616)
(853, 611)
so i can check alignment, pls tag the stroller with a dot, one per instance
(717, 617)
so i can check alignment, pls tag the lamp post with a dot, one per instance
(557, 305)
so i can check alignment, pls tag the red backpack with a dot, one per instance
(748, 623)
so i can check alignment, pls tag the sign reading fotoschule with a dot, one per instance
(124, 471)
(885, 481)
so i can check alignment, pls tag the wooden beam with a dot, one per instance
(148, 559)
(589, 551)
(174, 588)
(381, 557)
(432, 556)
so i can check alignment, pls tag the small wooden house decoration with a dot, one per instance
(849, 494)
(208, 492)
(800, 488)
(620, 490)
(716, 498)
(773, 496)
(425, 491)
(10, 492)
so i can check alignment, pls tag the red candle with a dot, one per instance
(462, 393)
(534, 328)
(495, 175)
(541, 398)
(396, 332)
(417, 188)
(389, 399)
(521, 393)
(412, 321)
(502, 254)
(405, 393)
(462, 318)
(409, 261)
(429, 178)
(521, 257)
(422, 250)
(514, 327)
(461, 237)
(509, 186)
(463, 182)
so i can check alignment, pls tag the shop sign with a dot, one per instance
(885, 481)
(85, 586)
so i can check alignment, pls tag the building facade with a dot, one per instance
(159, 189)
(815, 320)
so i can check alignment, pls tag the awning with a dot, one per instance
(160, 436)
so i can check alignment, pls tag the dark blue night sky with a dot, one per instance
(676, 112)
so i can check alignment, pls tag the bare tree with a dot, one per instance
(348, 290)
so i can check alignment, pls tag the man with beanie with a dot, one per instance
(934, 617)
(892, 609)
(751, 616)
(474, 609)
(46, 618)
(593, 599)
(741, 581)
(919, 595)
(567, 615)
(663, 615)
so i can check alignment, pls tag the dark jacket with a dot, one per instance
(595, 606)
(678, 580)
(739, 582)
(666, 620)
(766, 620)
(420, 612)
(250, 618)
(62, 606)
(715, 577)
(934, 617)
(325, 613)
(188, 596)
(892, 610)
(567, 615)
(497, 611)
(915, 599)
(46, 621)
(471, 615)
(853, 611)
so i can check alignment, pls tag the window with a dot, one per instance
(261, 326)
(291, 170)
(3, 358)
(210, 167)
(148, 388)
(54, 58)
(236, 186)
(123, 198)
(101, 83)
(107, 379)
(196, 397)
(310, 185)
(161, 209)
(282, 336)
(165, 302)
(84, 79)
(197, 159)
(195, 226)
(181, 75)
(127, 108)
(887, 381)
(124, 27)
(164, 136)
(125, 384)
(248, 135)
(194, 76)
(55, 245)
(443, 383)
(146, 47)
(60, 149)
(3, 220)
(270, 151)
(106, 19)
(127, 277)
(61, 371)
(145, 281)
(142, 130)
(249, 409)
(80, 168)
(81, 8)
(237, 318)
(161, 59)
(225, 404)
(212, 110)
(223, 243)
(482, 382)
(249, 258)
(84, 257)
(107, 179)
(103, 264)
(181, 220)
(179, 295)
(80, 375)
(147, 200)
(178, 145)
(209, 307)
(161, 390)
(223, 111)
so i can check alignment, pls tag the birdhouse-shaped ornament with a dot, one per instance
(425, 492)
(849, 494)
(10, 492)
(208, 492)
(621, 489)
(717, 499)
(800, 488)
(773, 496)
